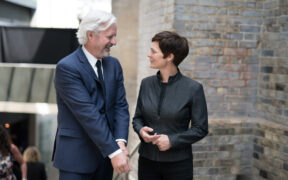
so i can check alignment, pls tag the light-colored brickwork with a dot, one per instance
(270, 151)
(242, 148)
(238, 50)
(154, 16)
(273, 61)
(221, 55)
(126, 51)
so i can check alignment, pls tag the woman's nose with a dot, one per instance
(149, 54)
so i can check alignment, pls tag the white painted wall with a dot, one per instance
(65, 13)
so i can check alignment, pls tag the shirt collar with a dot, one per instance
(92, 60)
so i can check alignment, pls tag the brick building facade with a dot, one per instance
(239, 52)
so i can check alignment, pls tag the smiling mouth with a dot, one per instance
(108, 46)
(107, 49)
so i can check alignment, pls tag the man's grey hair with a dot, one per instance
(96, 21)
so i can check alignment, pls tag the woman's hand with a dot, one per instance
(144, 133)
(162, 142)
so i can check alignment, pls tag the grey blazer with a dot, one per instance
(169, 108)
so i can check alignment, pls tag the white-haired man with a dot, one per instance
(93, 117)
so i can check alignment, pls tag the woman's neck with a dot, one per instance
(167, 72)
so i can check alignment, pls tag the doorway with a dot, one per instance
(21, 127)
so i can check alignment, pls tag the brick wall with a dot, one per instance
(273, 62)
(224, 41)
(126, 51)
(270, 151)
(242, 149)
(225, 154)
(239, 51)
(154, 16)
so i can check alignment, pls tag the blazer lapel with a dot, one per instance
(86, 65)
(105, 70)
(106, 74)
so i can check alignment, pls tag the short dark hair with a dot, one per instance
(171, 42)
(5, 141)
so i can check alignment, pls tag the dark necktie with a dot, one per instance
(100, 76)
(99, 71)
(101, 79)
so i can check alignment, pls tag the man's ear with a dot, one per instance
(89, 34)
(170, 57)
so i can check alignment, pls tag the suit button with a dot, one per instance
(102, 111)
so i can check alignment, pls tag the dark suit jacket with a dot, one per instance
(36, 171)
(89, 118)
(168, 108)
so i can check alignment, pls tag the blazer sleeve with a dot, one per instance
(137, 119)
(121, 116)
(199, 122)
(70, 88)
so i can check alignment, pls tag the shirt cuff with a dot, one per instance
(121, 140)
(115, 153)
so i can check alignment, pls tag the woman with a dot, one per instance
(8, 151)
(35, 169)
(167, 103)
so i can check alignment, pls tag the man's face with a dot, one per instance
(99, 44)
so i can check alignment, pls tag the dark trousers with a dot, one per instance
(103, 172)
(153, 170)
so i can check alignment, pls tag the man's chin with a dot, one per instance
(106, 54)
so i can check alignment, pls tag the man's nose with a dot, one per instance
(114, 41)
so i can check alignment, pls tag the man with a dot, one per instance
(93, 115)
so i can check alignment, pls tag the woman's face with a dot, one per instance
(155, 56)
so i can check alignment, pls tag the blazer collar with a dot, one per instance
(171, 79)
(84, 61)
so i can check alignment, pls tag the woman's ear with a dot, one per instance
(170, 57)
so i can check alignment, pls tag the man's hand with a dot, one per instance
(120, 163)
(162, 142)
(123, 147)
(144, 133)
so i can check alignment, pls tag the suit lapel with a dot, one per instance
(86, 65)
(106, 74)
(105, 71)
